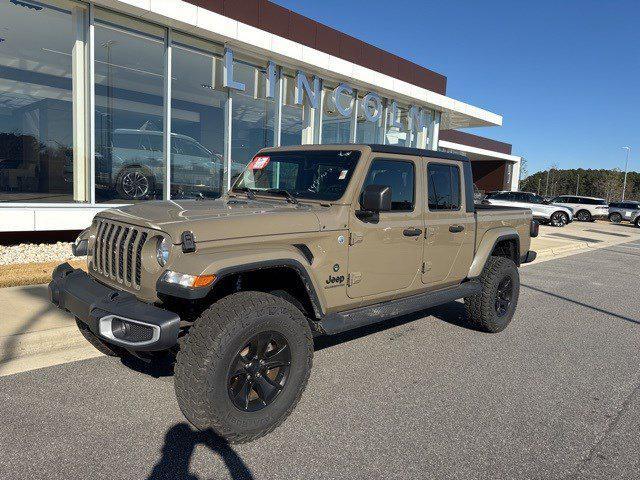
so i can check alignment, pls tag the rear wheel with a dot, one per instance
(559, 219)
(492, 309)
(244, 365)
(615, 218)
(583, 216)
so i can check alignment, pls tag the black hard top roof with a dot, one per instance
(418, 152)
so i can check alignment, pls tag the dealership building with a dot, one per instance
(111, 102)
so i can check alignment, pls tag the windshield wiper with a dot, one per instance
(284, 193)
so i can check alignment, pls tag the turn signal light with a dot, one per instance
(204, 280)
(186, 280)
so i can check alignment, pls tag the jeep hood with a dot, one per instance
(219, 219)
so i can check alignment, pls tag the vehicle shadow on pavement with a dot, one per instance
(453, 313)
(180, 443)
(582, 304)
(161, 366)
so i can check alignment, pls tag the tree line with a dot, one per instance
(605, 184)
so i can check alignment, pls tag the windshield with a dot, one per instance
(314, 175)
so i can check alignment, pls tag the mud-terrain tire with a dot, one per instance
(100, 345)
(205, 383)
(486, 310)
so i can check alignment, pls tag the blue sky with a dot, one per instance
(564, 74)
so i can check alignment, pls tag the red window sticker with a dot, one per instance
(258, 163)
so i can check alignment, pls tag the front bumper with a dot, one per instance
(115, 316)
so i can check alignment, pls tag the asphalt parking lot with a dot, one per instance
(557, 395)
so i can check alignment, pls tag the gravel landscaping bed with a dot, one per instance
(35, 253)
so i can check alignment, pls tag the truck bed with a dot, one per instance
(493, 216)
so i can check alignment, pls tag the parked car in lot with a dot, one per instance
(625, 212)
(555, 215)
(310, 240)
(131, 162)
(587, 209)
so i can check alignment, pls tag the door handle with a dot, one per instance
(456, 228)
(412, 232)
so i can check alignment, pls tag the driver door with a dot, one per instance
(385, 253)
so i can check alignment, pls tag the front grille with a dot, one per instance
(117, 253)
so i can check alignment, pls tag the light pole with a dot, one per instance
(626, 167)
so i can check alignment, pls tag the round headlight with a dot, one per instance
(163, 251)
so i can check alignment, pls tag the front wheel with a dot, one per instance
(559, 219)
(492, 309)
(134, 183)
(244, 365)
(615, 218)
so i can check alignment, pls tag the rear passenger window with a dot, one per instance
(398, 175)
(444, 187)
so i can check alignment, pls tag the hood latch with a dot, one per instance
(188, 242)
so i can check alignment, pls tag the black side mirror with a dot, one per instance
(376, 198)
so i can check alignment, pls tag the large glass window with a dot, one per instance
(197, 120)
(292, 114)
(399, 135)
(129, 84)
(253, 116)
(366, 131)
(400, 176)
(336, 128)
(38, 45)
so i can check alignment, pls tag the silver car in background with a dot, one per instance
(543, 211)
(627, 211)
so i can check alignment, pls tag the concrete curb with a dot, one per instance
(34, 343)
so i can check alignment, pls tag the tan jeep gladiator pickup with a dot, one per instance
(309, 240)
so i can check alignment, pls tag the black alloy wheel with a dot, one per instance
(559, 219)
(259, 371)
(583, 216)
(504, 296)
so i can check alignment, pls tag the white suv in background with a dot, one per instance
(555, 215)
(587, 209)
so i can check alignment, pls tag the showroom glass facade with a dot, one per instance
(100, 108)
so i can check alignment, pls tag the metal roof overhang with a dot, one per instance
(199, 21)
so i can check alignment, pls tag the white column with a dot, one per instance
(91, 107)
(382, 139)
(167, 116)
(317, 134)
(353, 134)
(228, 117)
(277, 123)
(79, 89)
(434, 131)
(515, 176)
